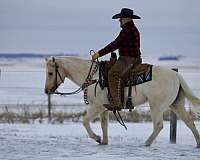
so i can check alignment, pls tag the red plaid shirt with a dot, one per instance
(128, 42)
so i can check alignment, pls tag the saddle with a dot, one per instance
(139, 74)
(136, 75)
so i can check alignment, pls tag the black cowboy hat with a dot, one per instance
(126, 13)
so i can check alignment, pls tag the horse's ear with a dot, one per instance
(53, 59)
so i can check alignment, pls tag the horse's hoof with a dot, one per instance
(98, 139)
(147, 144)
(104, 143)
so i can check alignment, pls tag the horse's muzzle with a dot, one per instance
(50, 91)
(46, 91)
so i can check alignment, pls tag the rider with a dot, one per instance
(128, 43)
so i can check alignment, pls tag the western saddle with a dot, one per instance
(139, 74)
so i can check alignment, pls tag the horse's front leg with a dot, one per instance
(104, 125)
(92, 113)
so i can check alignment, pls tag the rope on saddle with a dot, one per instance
(89, 82)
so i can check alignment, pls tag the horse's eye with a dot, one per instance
(50, 73)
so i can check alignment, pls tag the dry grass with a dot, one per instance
(25, 116)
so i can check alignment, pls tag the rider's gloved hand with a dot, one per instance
(95, 56)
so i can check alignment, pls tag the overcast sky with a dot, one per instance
(53, 26)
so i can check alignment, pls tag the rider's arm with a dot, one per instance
(113, 45)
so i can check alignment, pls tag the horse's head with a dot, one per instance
(54, 75)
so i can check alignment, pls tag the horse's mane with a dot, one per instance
(71, 57)
(80, 60)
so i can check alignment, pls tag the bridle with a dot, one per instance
(57, 75)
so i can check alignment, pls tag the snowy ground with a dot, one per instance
(69, 141)
(22, 82)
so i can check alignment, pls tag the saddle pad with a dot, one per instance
(140, 74)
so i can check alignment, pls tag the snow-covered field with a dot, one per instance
(69, 141)
(22, 82)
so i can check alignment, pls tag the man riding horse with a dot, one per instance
(128, 43)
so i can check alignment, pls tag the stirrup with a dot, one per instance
(129, 104)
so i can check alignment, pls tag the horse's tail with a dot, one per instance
(189, 95)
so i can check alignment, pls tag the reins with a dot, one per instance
(64, 93)
(87, 82)
(84, 85)
(119, 120)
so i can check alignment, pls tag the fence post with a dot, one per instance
(173, 123)
(49, 108)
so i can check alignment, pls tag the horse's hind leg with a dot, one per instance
(157, 118)
(178, 108)
(92, 113)
(104, 125)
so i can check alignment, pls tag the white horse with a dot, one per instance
(167, 90)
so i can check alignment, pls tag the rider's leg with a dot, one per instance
(115, 80)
